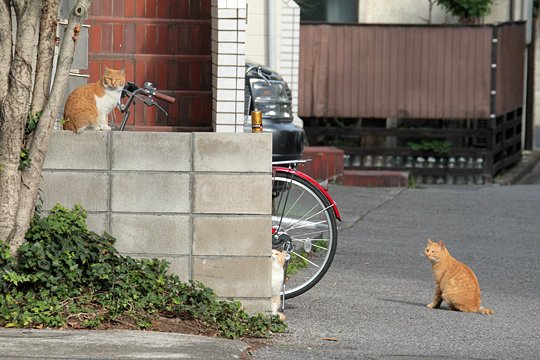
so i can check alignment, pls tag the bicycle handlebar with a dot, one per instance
(164, 97)
(148, 92)
(148, 89)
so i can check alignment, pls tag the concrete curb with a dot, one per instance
(514, 174)
(113, 344)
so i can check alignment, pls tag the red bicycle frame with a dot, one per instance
(315, 183)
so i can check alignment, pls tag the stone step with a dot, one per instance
(375, 178)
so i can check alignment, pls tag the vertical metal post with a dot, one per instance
(256, 121)
(493, 87)
(271, 37)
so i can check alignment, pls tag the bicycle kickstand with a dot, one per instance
(287, 258)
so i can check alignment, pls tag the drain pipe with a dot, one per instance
(271, 36)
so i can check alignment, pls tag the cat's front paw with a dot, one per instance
(431, 305)
(105, 128)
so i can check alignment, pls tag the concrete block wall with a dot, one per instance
(199, 200)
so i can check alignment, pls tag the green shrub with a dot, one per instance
(431, 145)
(68, 275)
(467, 10)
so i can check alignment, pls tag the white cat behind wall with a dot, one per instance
(278, 276)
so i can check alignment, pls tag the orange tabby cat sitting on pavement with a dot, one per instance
(455, 282)
(91, 104)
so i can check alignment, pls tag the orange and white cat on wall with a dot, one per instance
(89, 106)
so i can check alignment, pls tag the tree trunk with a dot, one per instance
(47, 41)
(8, 178)
(14, 111)
(20, 196)
(6, 44)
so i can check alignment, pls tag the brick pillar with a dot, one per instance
(228, 61)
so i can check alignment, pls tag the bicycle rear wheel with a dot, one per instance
(303, 216)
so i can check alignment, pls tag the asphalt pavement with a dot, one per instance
(371, 304)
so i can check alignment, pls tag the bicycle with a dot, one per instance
(304, 216)
(304, 224)
(146, 94)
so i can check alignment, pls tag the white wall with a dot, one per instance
(256, 33)
(417, 12)
(290, 47)
(402, 11)
(287, 40)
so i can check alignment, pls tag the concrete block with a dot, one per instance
(149, 151)
(232, 194)
(220, 152)
(232, 235)
(151, 234)
(68, 150)
(98, 223)
(234, 276)
(150, 192)
(256, 306)
(179, 266)
(69, 188)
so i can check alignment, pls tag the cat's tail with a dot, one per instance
(485, 311)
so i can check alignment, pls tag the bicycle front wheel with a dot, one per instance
(303, 216)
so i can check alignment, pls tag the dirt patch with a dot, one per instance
(157, 323)
(176, 325)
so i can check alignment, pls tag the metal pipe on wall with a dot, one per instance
(271, 36)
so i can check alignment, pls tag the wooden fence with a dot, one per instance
(455, 85)
(411, 71)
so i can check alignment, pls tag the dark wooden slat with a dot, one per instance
(400, 132)
(396, 71)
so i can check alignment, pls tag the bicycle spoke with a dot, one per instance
(294, 204)
(288, 188)
(310, 217)
(298, 236)
(311, 224)
(305, 259)
(319, 247)
(302, 215)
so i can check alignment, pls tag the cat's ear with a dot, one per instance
(442, 245)
(429, 241)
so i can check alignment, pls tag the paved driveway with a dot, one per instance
(371, 305)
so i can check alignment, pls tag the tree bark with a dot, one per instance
(19, 189)
(47, 41)
(14, 112)
(31, 177)
(6, 44)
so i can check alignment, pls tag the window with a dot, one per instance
(331, 11)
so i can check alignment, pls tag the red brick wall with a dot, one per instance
(166, 42)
